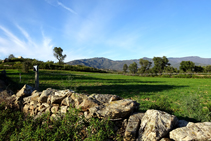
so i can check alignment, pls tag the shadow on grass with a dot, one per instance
(126, 91)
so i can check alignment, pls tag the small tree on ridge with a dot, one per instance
(58, 54)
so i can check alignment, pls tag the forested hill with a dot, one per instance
(104, 63)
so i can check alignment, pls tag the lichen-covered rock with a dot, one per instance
(54, 99)
(44, 96)
(78, 98)
(114, 110)
(133, 126)
(192, 132)
(35, 96)
(64, 109)
(88, 103)
(26, 109)
(63, 93)
(25, 91)
(55, 109)
(105, 98)
(68, 101)
(155, 125)
(26, 100)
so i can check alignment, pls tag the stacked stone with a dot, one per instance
(154, 125)
(59, 101)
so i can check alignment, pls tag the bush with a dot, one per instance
(25, 67)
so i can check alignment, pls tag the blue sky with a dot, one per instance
(114, 29)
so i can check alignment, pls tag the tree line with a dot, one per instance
(24, 64)
(162, 65)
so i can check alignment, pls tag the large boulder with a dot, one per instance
(44, 96)
(25, 91)
(114, 110)
(192, 132)
(155, 125)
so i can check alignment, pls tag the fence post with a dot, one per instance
(36, 69)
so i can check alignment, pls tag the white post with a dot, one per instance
(36, 69)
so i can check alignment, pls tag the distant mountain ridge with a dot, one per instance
(105, 63)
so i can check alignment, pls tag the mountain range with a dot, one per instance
(105, 63)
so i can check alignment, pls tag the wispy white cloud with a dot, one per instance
(67, 8)
(13, 38)
(27, 48)
(57, 3)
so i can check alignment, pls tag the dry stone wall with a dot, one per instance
(153, 125)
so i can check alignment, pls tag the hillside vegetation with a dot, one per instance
(104, 63)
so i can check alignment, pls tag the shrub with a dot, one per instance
(25, 67)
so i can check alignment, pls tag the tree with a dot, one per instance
(198, 69)
(208, 68)
(133, 67)
(160, 64)
(11, 56)
(145, 65)
(58, 54)
(170, 69)
(125, 67)
(187, 66)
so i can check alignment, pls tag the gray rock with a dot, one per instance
(88, 103)
(78, 98)
(56, 99)
(25, 91)
(26, 109)
(105, 98)
(155, 125)
(35, 96)
(44, 96)
(133, 126)
(55, 109)
(64, 109)
(68, 101)
(26, 100)
(192, 132)
(114, 110)
(63, 93)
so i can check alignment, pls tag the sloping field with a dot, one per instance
(169, 94)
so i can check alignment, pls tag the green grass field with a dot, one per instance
(169, 94)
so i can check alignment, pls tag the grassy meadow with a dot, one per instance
(186, 98)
